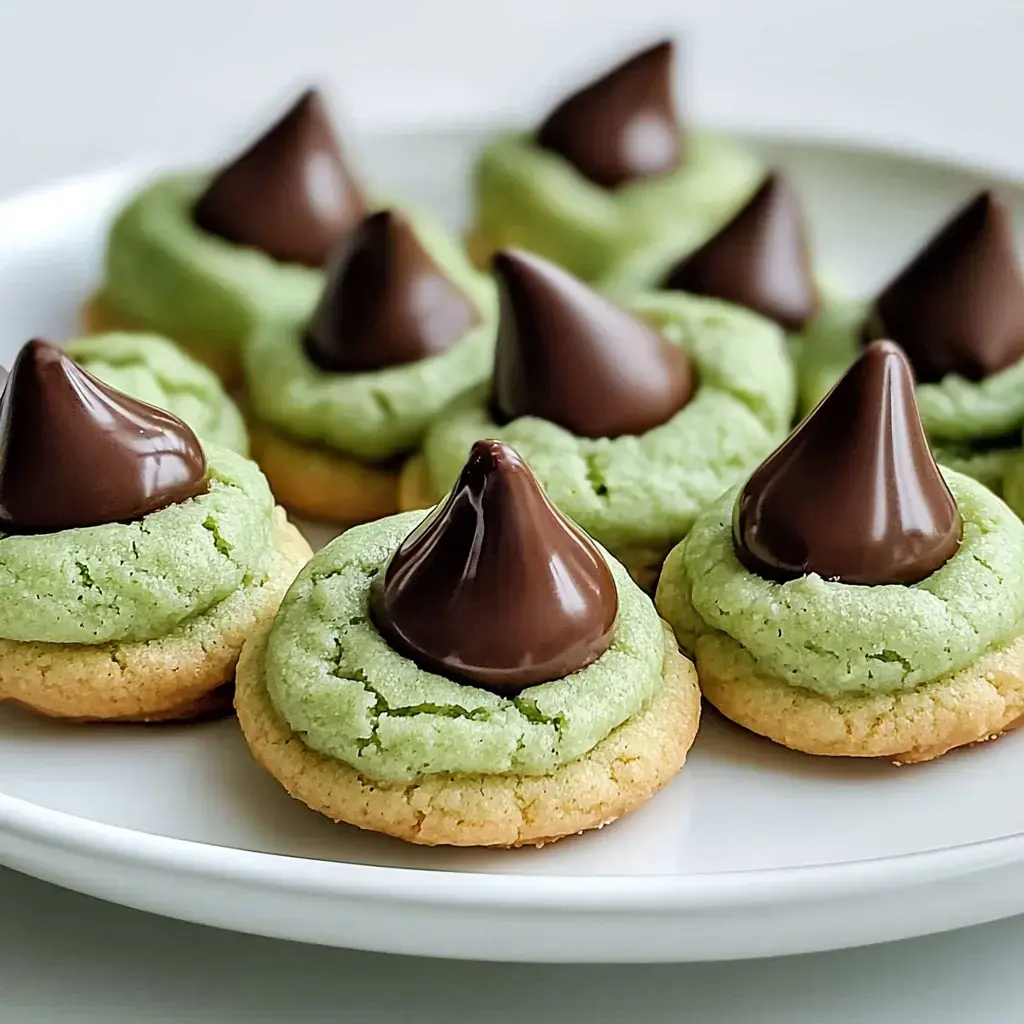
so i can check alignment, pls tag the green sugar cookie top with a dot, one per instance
(835, 638)
(154, 370)
(165, 272)
(535, 199)
(953, 409)
(1012, 480)
(140, 580)
(371, 415)
(337, 683)
(638, 495)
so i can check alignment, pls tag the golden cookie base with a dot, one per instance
(321, 484)
(622, 772)
(978, 703)
(168, 679)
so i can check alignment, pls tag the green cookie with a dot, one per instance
(164, 272)
(535, 199)
(376, 414)
(140, 580)
(338, 684)
(836, 638)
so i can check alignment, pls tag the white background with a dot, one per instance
(87, 84)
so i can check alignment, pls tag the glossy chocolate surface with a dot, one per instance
(290, 194)
(760, 259)
(622, 127)
(496, 587)
(854, 493)
(386, 302)
(74, 452)
(568, 355)
(958, 306)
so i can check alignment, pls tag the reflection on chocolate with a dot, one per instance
(623, 126)
(854, 493)
(958, 306)
(74, 452)
(760, 259)
(568, 355)
(386, 302)
(496, 587)
(290, 194)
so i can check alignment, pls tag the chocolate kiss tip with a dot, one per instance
(495, 587)
(854, 493)
(958, 306)
(386, 302)
(290, 194)
(75, 452)
(622, 127)
(760, 259)
(568, 355)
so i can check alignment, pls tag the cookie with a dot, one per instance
(418, 666)
(336, 397)
(185, 674)
(622, 772)
(820, 623)
(134, 560)
(579, 192)
(207, 258)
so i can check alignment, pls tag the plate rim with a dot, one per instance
(598, 893)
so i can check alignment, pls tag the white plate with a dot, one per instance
(752, 851)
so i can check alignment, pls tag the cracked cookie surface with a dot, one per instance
(139, 580)
(336, 682)
(837, 639)
(637, 495)
(624, 770)
(180, 675)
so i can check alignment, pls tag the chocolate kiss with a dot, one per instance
(74, 452)
(496, 587)
(290, 193)
(958, 306)
(854, 493)
(623, 126)
(760, 259)
(386, 302)
(568, 355)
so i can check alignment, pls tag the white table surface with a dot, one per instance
(93, 84)
(68, 957)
